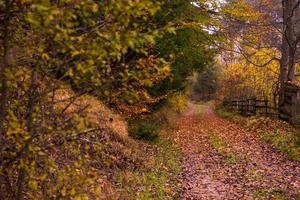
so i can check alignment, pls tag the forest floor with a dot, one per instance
(222, 160)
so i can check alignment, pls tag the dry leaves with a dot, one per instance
(235, 164)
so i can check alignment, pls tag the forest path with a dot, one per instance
(222, 161)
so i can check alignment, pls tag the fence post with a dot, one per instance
(248, 111)
(266, 107)
(254, 105)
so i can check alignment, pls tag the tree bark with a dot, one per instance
(288, 51)
(284, 61)
(291, 37)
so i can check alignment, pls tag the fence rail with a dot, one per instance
(253, 106)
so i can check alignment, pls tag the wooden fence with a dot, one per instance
(252, 107)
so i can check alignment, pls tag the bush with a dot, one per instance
(146, 130)
(163, 116)
(178, 102)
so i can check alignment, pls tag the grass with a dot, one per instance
(231, 158)
(200, 108)
(254, 175)
(220, 145)
(224, 113)
(157, 177)
(147, 130)
(217, 142)
(288, 143)
(157, 180)
(273, 193)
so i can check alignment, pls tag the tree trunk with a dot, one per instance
(284, 54)
(291, 37)
(288, 52)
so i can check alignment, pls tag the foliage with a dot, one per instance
(103, 53)
(242, 79)
(251, 39)
(46, 148)
(187, 49)
(177, 102)
(145, 129)
(120, 51)
(189, 53)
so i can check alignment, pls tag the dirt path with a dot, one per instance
(224, 161)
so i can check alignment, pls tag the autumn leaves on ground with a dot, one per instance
(222, 160)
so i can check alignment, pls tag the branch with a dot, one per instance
(258, 65)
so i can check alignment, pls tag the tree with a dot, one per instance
(289, 46)
(55, 52)
(46, 45)
(242, 80)
(188, 49)
(272, 27)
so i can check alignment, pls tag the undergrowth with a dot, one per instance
(224, 113)
(145, 129)
(157, 178)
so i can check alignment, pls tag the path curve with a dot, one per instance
(223, 161)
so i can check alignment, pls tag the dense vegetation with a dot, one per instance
(55, 55)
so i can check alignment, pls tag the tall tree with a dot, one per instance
(46, 45)
(274, 25)
(188, 48)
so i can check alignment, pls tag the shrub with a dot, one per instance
(146, 130)
(178, 102)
